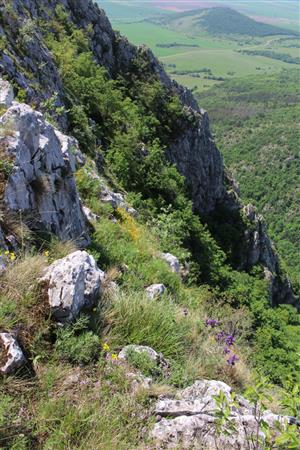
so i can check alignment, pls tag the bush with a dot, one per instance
(76, 344)
(143, 363)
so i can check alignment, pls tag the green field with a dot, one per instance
(128, 11)
(218, 54)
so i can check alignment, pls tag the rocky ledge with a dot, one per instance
(191, 420)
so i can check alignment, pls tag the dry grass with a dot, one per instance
(14, 224)
(7, 129)
(19, 280)
(20, 290)
(59, 249)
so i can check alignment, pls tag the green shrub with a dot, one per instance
(76, 344)
(143, 363)
(129, 244)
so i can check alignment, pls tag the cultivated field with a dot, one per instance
(221, 55)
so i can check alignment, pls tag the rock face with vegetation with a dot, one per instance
(265, 162)
(184, 294)
(191, 419)
(40, 186)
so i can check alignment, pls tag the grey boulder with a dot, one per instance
(172, 261)
(72, 283)
(155, 291)
(11, 353)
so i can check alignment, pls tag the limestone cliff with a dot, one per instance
(40, 189)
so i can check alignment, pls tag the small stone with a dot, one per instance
(155, 291)
(11, 353)
(157, 358)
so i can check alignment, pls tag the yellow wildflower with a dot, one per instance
(114, 356)
(12, 256)
(6, 252)
(105, 347)
(46, 253)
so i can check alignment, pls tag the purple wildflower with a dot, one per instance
(226, 350)
(232, 360)
(220, 336)
(212, 323)
(230, 339)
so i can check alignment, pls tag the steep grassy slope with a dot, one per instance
(220, 21)
(256, 125)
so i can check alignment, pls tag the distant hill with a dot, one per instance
(220, 21)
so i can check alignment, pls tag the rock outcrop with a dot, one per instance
(91, 217)
(11, 354)
(190, 421)
(155, 291)
(172, 261)
(6, 94)
(260, 250)
(196, 157)
(40, 188)
(116, 200)
(193, 151)
(72, 283)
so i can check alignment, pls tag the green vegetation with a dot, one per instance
(154, 116)
(80, 395)
(76, 343)
(270, 54)
(256, 126)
